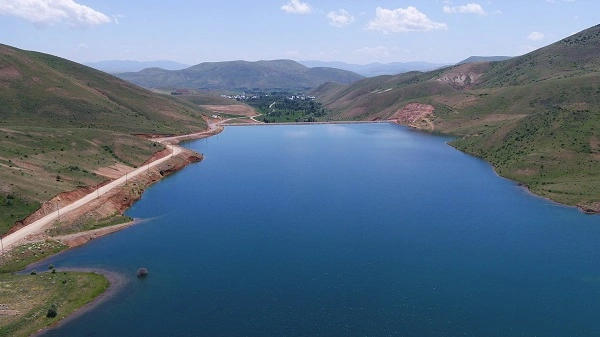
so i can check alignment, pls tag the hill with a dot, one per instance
(376, 69)
(122, 66)
(62, 122)
(240, 75)
(535, 118)
(475, 59)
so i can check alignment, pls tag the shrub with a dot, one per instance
(52, 311)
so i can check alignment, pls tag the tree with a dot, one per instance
(52, 312)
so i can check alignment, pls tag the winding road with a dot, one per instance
(38, 225)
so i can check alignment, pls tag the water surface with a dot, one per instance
(344, 230)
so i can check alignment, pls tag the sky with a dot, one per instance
(351, 31)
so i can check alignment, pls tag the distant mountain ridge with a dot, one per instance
(376, 69)
(240, 74)
(124, 66)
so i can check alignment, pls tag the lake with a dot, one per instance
(344, 230)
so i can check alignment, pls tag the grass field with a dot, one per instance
(29, 297)
(25, 299)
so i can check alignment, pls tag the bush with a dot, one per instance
(33, 272)
(52, 311)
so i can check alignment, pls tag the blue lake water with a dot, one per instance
(344, 230)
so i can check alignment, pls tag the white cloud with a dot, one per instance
(296, 7)
(47, 12)
(340, 18)
(117, 17)
(402, 20)
(535, 36)
(471, 8)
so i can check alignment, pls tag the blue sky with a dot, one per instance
(440, 31)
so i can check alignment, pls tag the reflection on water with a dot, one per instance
(337, 230)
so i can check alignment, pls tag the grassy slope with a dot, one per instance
(60, 121)
(33, 295)
(534, 117)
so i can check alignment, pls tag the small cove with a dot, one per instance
(359, 230)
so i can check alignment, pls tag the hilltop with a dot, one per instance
(475, 59)
(241, 75)
(376, 69)
(535, 118)
(123, 66)
(64, 125)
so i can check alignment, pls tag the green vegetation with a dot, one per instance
(12, 209)
(535, 118)
(38, 301)
(284, 106)
(87, 223)
(20, 257)
(62, 121)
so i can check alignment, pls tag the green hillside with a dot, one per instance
(60, 121)
(241, 75)
(535, 117)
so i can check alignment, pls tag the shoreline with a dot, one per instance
(116, 282)
(25, 233)
(582, 208)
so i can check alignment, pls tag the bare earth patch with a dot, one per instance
(241, 110)
(114, 171)
(527, 171)
(10, 72)
(415, 115)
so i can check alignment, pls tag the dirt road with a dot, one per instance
(38, 225)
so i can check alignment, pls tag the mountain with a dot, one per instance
(61, 121)
(535, 118)
(239, 75)
(475, 59)
(376, 69)
(123, 66)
